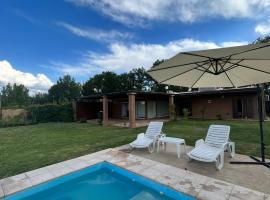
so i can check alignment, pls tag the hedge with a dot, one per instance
(50, 113)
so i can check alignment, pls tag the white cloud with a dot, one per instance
(122, 58)
(136, 12)
(96, 34)
(263, 28)
(35, 83)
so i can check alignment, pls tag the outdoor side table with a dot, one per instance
(171, 140)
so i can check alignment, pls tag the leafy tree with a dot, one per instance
(15, 95)
(126, 82)
(141, 80)
(260, 40)
(102, 83)
(40, 98)
(64, 90)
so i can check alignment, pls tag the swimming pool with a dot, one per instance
(102, 181)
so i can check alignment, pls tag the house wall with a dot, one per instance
(212, 107)
(88, 110)
(222, 106)
(116, 109)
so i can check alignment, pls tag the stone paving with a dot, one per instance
(199, 186)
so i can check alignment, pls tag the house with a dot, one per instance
(134, 106)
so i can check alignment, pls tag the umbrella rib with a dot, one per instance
(249, 59)
(227, 75)
(250, 50)
(250, 68)
(153, 70)
(232, 66)
(182, 73)
(200, 77)
(193, 54)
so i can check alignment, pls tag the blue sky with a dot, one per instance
(42, 40)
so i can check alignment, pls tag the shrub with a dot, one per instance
(50, 113)
(186, 113)
(219, 116)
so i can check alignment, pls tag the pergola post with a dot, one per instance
(105, 110)
(131, 110)
(171, 107)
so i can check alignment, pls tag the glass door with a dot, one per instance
(140, 109)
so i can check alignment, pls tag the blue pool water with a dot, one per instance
(103, 181)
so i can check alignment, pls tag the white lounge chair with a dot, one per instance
(212, 149)
(149, 138)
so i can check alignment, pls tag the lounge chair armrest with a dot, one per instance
(199, 142)
(140, 135)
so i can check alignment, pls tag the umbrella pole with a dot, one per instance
(260, 112)
(259, 97)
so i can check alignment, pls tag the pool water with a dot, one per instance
(100, 182)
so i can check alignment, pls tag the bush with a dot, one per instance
(50, 113)
(186, 113)
(219, 116)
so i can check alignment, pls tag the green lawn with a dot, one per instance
(28, 147)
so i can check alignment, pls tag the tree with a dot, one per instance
(102, 83)
(64, 90)
(261, 40)
(141, 80)
(15, 95)
(40, 98)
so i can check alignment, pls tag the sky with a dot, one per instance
(43, 40)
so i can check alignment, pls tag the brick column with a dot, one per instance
(105, 110)
(132, 110)
(171, 107)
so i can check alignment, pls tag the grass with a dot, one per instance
(30, 147)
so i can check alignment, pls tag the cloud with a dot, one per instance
(26, 17)
(96, 34)
(138, 12)
(124, 57)
(35, 83)
(263, 29)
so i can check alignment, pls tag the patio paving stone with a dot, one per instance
(76, 164)
(16, 186)
(37, 172)
(189, 183)
(59, 169)
(215, 190)
(241, 193)
(1, 192)
(35, 180)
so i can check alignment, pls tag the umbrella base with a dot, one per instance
(256, 162)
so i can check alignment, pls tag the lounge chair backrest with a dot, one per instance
(217, 135)
(153, 129)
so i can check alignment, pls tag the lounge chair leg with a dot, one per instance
(232, 149)
(220, 161)
(151, 148)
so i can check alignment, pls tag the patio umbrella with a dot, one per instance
(225, 67)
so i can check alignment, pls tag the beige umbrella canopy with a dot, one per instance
(224, 67)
